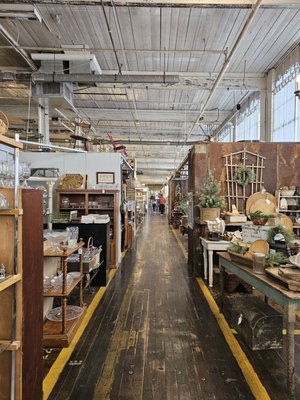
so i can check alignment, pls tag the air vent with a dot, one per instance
(54, 90)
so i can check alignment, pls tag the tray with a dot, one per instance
(288, 283)
(240, 259)
(72, 312)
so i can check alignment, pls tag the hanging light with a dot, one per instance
(297, 93)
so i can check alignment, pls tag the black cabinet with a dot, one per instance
(100, 234)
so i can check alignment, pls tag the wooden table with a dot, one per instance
(209, 246)
(290, 301)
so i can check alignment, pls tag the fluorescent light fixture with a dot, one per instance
(20, 11)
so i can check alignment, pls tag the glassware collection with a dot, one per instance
(7, 173)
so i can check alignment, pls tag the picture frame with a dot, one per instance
(105, 177)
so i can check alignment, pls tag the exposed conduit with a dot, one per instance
(225, 66)
(111, 38)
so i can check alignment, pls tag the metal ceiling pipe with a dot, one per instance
(225, 66)
(52, 146)
(16, 46)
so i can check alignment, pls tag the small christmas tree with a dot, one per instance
(210, 194)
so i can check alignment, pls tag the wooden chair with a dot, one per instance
(117, 145)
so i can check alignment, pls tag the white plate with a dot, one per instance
(72, 312)
(295, 260)
(74, 275)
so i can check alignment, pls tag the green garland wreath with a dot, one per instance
(243, 175)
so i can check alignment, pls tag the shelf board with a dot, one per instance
(11, 211)
(9, 281)
(289, 210)
(53, 336)
(70, 250)
(52, 293)
(8, 345)
(72, 209)
(10, 142)
(101, 209)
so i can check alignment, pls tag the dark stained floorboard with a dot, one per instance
(153, 336)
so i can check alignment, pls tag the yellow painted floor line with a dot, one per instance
(250, 375)
(52, 377)
(296, 331)
(185, 253)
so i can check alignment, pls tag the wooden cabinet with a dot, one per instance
(32, 290)
(93, 202)
(60, 334)
(11, 285)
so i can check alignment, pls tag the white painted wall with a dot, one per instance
(81, 163)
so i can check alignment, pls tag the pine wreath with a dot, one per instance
(244, 175)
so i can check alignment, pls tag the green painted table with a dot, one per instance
(274, 290)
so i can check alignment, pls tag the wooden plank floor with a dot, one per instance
(153, 336)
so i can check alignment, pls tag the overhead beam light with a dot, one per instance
(20, 11)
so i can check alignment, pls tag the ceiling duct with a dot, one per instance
(69, 62)
(55, 92)
(20, 11)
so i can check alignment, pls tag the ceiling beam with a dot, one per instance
(145, 115)
(165, 3)
(202, 81)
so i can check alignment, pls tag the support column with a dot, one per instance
(266, 123)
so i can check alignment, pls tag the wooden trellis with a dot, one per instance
(236, 193)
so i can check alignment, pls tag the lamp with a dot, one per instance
(297, 93)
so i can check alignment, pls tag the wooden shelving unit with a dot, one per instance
(11, 287)
(93, 202)
(60, 334)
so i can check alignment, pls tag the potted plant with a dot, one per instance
(210, 201)
(259, 218)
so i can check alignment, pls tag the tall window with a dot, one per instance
(226, 134)
(248, 121)
(286, 108)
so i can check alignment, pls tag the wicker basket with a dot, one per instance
(209, 214)
(240, 259)
(259, 221)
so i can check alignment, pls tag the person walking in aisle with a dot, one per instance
(153, 203)
(162, 202)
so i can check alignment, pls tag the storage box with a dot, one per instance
(257, 323)
(236, 218)
(90, 260)
(255, 232)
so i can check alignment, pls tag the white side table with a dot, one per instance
(209, 246)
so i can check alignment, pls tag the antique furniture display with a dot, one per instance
(274, 290)
(59, 334)
(86, 202)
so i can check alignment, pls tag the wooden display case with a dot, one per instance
(93, 202)
(11, 286)
(60, 334)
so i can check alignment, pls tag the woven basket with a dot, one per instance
(259, 221)
(209, 214)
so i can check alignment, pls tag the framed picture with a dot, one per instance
(105, 177)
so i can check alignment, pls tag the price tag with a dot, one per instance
(80, 251)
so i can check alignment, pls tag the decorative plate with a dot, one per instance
(286, 222)
(72, 312)
(259, 246)
(264, 205)
(73, 181)
(258, 196)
